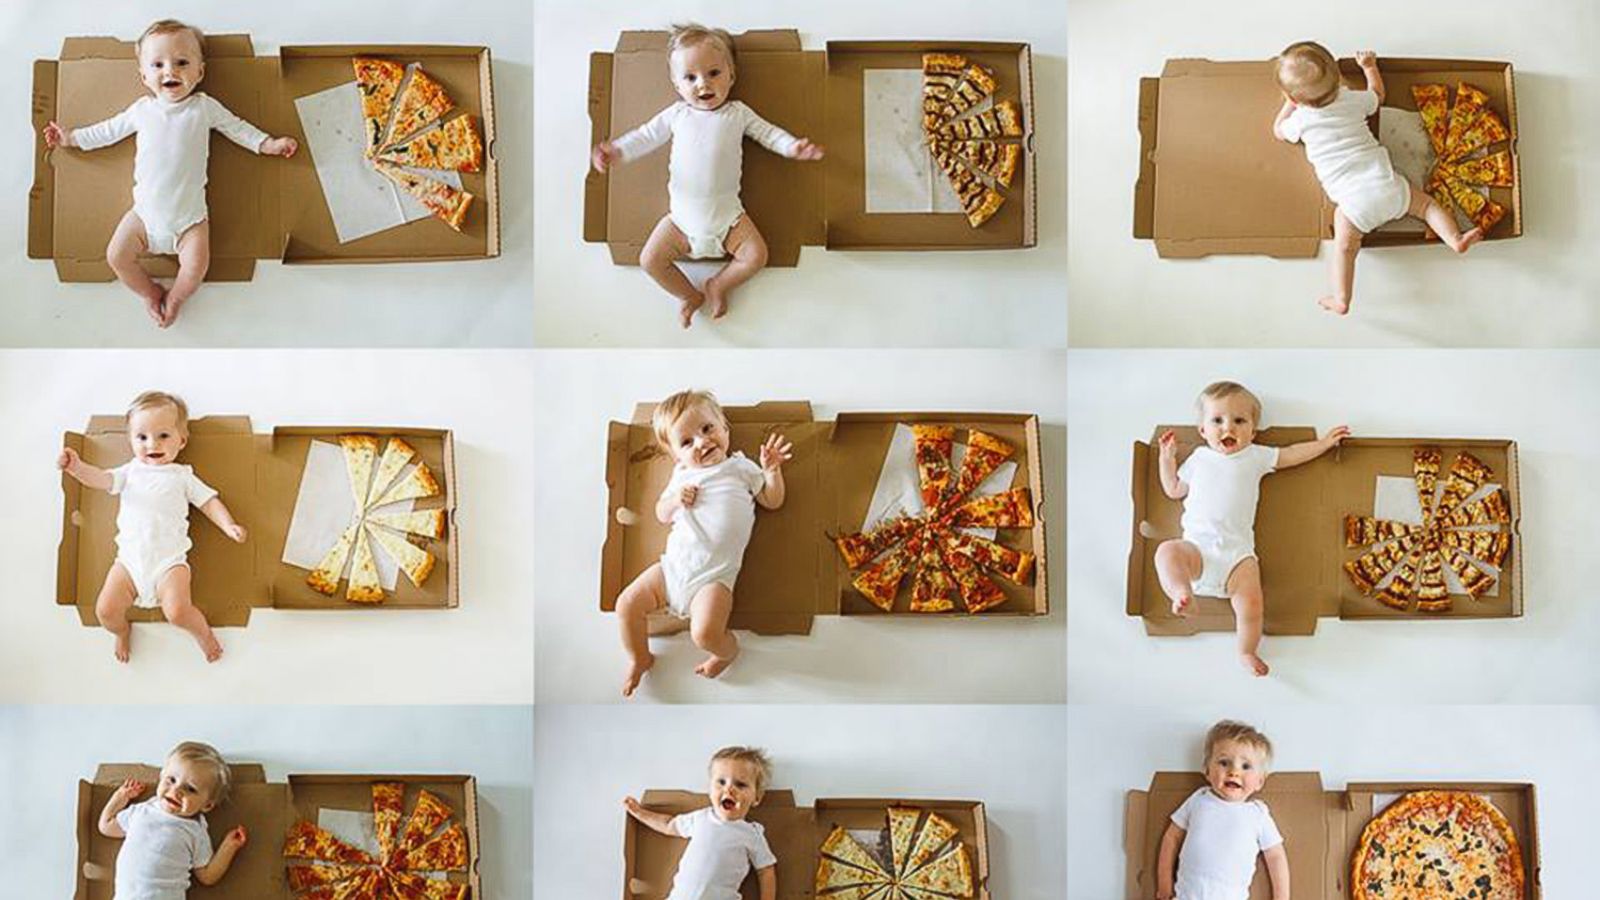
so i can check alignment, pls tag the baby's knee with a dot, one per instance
(121, 252)
(705, 634)
(109, 606)
(754, 251)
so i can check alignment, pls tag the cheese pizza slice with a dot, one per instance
(941, 72)
(1490, 509)
(422, 101)
(1467, 474)
(1425, 472)
(844, 848)
(1367, 570)
(1014, 566)
(985, 453)
(950, 874)
(426, 817)
(305, 877)
(880, 583)
(1478, 126)
(1433, 103)
(325, 578)
(360, 451)
(307, 841)
(1398, 592)
(1470, 102)
(902, 831)
(365, 585)
(1472, 577)
(453, 146)
(388, 809)
(861, 892)
(936, 832)
(931, 448)
(378, 81)
(1431, 593)
(833, 875)
(983, 208)
(395, 457)
(418, 484)
(1483, 212)
(428, 523)
(412, 886)
(445, 202)
(416, 562)
(1010, 509)
(1493, 170)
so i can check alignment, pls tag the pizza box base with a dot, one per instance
(809, 93)
(266, 809)
(1300, 533)
(795, 834)
(258, 478)
(792, 571)
(260, 207)
(1321, 828)
(1214, 180)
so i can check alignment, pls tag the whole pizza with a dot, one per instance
(1432, 844)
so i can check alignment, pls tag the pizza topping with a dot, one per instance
(961, 135)
(1432, 844)
(424, 100)
(448, 203)
(397, 873)
(929, 864)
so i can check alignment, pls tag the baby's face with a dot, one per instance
(699, 438)
(1236, 771)
(171, 64)
(155, 435)
(702, 75)
(1228, 424)
(186, 788)
(733, 788)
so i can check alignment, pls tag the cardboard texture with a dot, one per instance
(1214, 180)
(792, 571)
(795, 834)
(1300, 533)
(1321, 829)
(809, 93)
(260, 207)
(266, 810)
(257, 476)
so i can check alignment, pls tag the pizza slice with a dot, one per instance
(936, 832)
(324, 579)
(1493, 170)
(447, 203)
(305, 877)
(365, 887)
(1425, 472)
(932, 591)
(446, 852)
(914, 893)
(1431, 593)
(1010, 509)
(1483, 546)
(977, 84)
(454, 146)
(1004, 119)
(307, 841)
(328, 891)
(1478, 127)
(428, 523)
(902, 831)
(395, 457)
(411, 886)
(861, 892)
(388, 808)
(950, 874)
(1467, 474)
(844, 848)
(1398, 592)
(992, 158)
(833, 875)
(1015, 566)
(365, 585)
(378, 81)
(1490, 509)
(880, 583)
(978, 591)
(416, 562)
(1437, 190)
(932, 445)
(1433, 103)
(360, 452)
(426, 817)
(1483, 212)
(863, 547)
(1366, 531)
(1367, 570)
(419, 484)
(941, 72)
(1473, 578)
(985, 453)
(1469, 103)
(423, 101)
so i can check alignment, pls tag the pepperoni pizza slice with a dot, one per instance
(1010, 509)
(1433, 103)
(861, 548)
(985, 453)
(932, 445)
(307, 841)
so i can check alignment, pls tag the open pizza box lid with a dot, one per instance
(1321, 828)
(1214, 180)
(266, 809)
(795, 834)
(792, 571)
(809, 93)
(259, 207)
(258, 478)
(1300, 533)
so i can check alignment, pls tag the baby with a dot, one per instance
(705, 218)
(164, 839)
(1220, 828)
(1220, 484)
(152, 568)
(1353, 167)
(723, 845)
(169, 165)
(710, 503)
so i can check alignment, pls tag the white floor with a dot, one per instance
(834, 298)
(48, 749)
(1544, 401)
(590, 758)
(1537, 290)
(478, 303)
(1551, 746)
(479, 652)
(1001, 660)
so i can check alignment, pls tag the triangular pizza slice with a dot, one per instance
(388, 809)
(1369, 569)
(1490, 509)
(985, 453)
(863, 547)
(428, 523)
(1482, 211)
(307, 841)
(324, 579)
(1433, 103)
(977, 85)
(1431, 592)
(1366, 531)
(941, 72)
(880, 582)
(1472, 124)
(987, 157)
(1009, 509)
(412, 886)
(902, 831)
(418, 484)
(445, 852)
(833, 874)
(416, 562)
(978, 591)
(1401, 588)
(365, 585)
(932, 591)
(1483, 546)
(950, 874)
(844, 848)
(936, 832)
(423, 101)
(1425, 472)
(931, 449)
(1476, 581)
(378, 81)
(395, 457)
(1467, 474)
(445, 202)
(360, 452)
(426, 817)
(453, 146)
(1015, 566)
(304, 877)
(1493, 170)
(1004, 119)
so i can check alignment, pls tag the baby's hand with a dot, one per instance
(1164, 894)
(1366, 59)
(689, 494)
(1169, 444)
(56, 136)
(235, 838)
(632, 806)
(1334, 436)
(129, 789)
(68, 458)
(775, 452)
(604, 156)
(237, 532)
(279, 146)
(806, 150)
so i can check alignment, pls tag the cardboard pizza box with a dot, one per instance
(1300, 533)
(260, 207)
(795, 834)
(258, 478)
(792, 571)
(266, 809)
(817, 94)
(1214, 180)
(1321, 828)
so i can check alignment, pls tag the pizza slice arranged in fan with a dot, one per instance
(930, 861)
(1463, 135)
(410, 865)
(971, 136)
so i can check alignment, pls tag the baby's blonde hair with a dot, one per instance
(1238, 733)
(754, 756)
(691, 34)
(156, 400)
(207, 757)
(170, 26)
(1308, 74)
(668, 411)
(1221, 390)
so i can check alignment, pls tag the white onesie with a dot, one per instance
(706, 164)
(1354, 168)
(159, 852)
(1219, 513)
(707, 540)
(719, 856)
(169, 159)
(153, 521)
(1220, 845)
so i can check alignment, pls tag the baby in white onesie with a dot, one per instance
(723, 845)
(1219, 485)
(705, 219)
(1220, 830)
(174, 127)
(710, 503)
(155, 491)
(1354, 169)
(165, 839)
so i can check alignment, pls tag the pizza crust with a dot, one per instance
(365, 586)
(325, 578)
(416, 562)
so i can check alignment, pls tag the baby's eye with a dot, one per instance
(714, 73)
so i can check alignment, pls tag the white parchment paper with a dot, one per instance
(1400, 131)
(352, 826)
(899, 491)
(324, 508)
(899, 172)
(1395, 498)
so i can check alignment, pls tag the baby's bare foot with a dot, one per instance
(1467, 240)
(171, 306)
(716, 296)
(714, 666)
(1334, 304)
(687, 309)
(1181, 605)
(636, 674)
(122, 650)
(209, 645)
(1254, 664)
(154, 306)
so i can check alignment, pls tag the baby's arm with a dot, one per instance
(1170, 484)
(1295, 454)
(1167, 861)
(218, 514)
(90, 476)
(1277, 124)
(120, 798)
(775, 451)
(672, 500)
(767, 879)
(246, 135)
(212, 872)
(1277, 871)
(779, 141)
(656, 821)
(92, 137)
(1368, 61)
(636, 143)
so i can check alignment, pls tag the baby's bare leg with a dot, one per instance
(122, 254)
(173, 592)
(749, 251)
(194, 259)
(1244, 588)
(708, 626)
(111, 607)
(1178, 564)
(661, 252)
(646, 594)
(1342, 265)
(1442, 221)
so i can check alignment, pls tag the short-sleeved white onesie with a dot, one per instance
(719, 856)
(707, 540)
(153, 521)
(159, 852)
(1219, 513)
(1220, 845)
(1355, 170)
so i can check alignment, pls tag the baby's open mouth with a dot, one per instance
(1229, 442)
(1233, 785)
(728, 804)
(172, 83)
(706, 98)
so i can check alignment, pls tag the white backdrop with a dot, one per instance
(1007, 659)
(1544, 401)
(1537, 290)
(834, 298)
(47, 750)
(1009, 757)
(480, 651)
(1554, 747)
(484, 303)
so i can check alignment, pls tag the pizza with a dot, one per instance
(1490, 509)
(861, 892)
(307, 841)
(1013, 565)
(833, 874)
(880, 582)
(932, 591)
(861, 548)
(388, 808)
(1012, 509)
(387, 528)
(1468, 573)
(1004, 119)
(1432, 844)
(407, 865)
(936, 832)
(1486, 546)
(378, 81)
(1369, 569)
(1433, 103)
(423, 100)
(445, 852)
(1398, 592)
(984, 454)
(1432, 596)
(417, 485)
(426, 817)
(950, 874)
(978, 593)
(360, 452)
(1467, 474)
(977, 199)
(412, 886)
(362, 887)
(1462, 136)
(304, 877)
(428, 523)
(976, 85)
(902, 830)
(1364, 531)
(1493, 170)
(1483, 212)
(969, 136)
(1425, 472)
(446, 202)
(842, 847)
(930, 859)
(931, 446)
(416, 562)
(990, 158)
(324, 579)
(453, 145)
(395, 457)
(365, 585)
